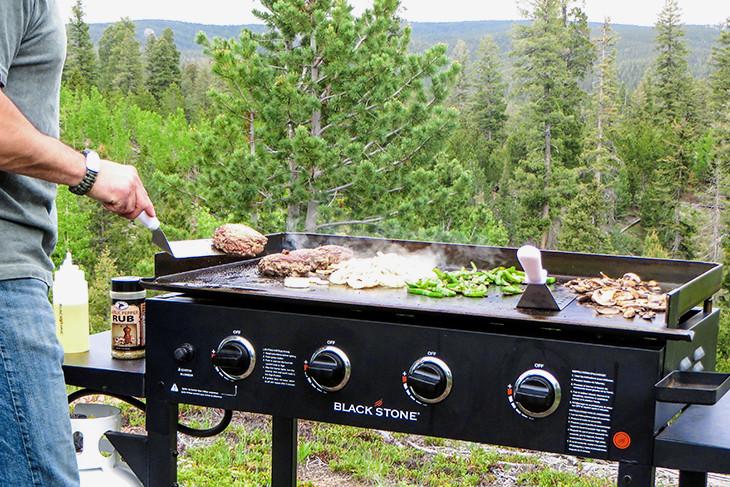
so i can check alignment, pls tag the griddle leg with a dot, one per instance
(283, 452)
(692, 479)
(161, 419)
(634, 475)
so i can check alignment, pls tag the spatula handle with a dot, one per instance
(149, 222)
(531, 261)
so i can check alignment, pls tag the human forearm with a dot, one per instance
(24, 150)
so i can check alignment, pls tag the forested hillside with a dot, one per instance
(634, 45)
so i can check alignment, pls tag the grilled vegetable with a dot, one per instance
(470, 283)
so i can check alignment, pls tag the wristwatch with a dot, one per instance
(93, 165)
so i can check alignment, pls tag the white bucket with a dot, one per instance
(98, 461)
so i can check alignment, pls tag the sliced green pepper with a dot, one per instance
(425, 292)
(509, 290)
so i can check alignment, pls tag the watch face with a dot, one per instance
(93, 162)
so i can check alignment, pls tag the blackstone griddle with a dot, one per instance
(482, 370)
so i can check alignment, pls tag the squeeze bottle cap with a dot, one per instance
(69, 270)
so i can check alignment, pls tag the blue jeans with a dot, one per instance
(36, 448)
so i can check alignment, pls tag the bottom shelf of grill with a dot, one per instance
(698, 441)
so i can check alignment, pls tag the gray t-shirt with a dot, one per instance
(32, 52)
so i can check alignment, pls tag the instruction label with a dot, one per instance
(279, 367)
(589, 415)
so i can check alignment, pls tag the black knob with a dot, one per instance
(329, 368)
(430, 380)
(235, 358)
(537, 393)
(184, 353)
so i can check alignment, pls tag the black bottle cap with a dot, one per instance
(126, 284)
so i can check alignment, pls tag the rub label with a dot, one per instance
(128, 332)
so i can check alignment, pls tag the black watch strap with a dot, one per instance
(88, 182)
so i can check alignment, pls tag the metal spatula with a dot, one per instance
(158, 236)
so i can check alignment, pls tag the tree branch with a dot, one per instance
(367, 221)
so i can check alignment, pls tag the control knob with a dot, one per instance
(537, 393)
(329, 368)
(235, 358)
(429, 380)
(184, 353)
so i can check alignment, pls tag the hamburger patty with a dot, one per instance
(239, 239)
(302, 262)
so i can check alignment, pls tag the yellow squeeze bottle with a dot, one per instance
(71, 307)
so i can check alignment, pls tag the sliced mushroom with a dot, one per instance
(632, 277)
(604, 297)
(604, 310)
(628, 296)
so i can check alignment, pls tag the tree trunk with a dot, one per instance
(292, 217)
(251, 133)
(310, 223)
(677, 231)
(716, 220)
(292, 211)
(547, 235)
(601, 95)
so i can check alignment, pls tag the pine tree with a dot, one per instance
(653, 246)
(552, 56)
(606, 88)
(162, 64)
(487, 104)
(720, 110)
(328, 118)
(581, 229)
(461, 91)
(195, 83)
(675, 114)
(80, 70)
(120, 59)
(671, 72)
(600, 157)
(720, 76)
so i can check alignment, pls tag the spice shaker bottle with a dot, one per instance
(128, 318)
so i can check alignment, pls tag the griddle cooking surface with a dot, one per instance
(690, 283)
(243, 279)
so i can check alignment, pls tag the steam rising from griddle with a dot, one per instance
(367, 247)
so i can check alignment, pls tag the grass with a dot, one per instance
(551, 478)
(331, 455)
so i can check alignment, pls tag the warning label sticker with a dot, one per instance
(589, 415)
(279, 367)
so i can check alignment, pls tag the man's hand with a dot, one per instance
(121, 191)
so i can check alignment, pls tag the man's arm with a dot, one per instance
(24, 150)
